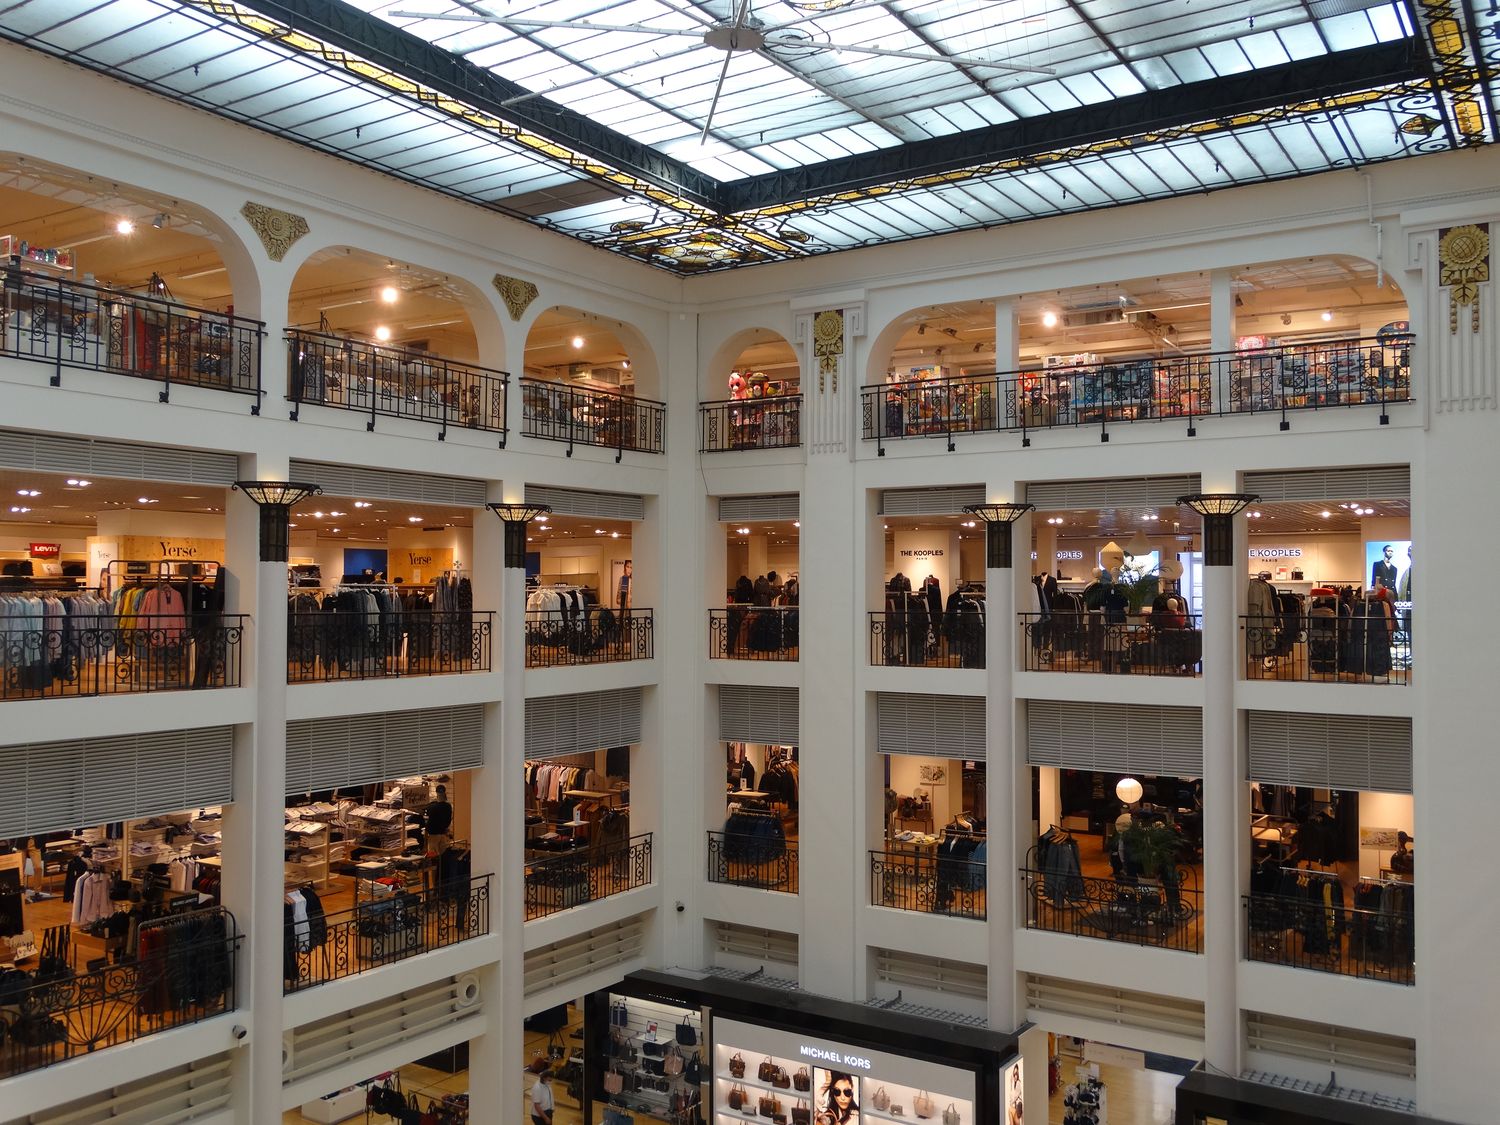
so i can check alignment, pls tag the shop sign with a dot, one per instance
(44, 550)
(921, 553)
(1069, 556)
(415, 559)
(1275, 552)
(837, 1057)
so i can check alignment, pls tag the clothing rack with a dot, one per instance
(132, 572)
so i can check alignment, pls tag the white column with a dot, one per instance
(254, 875)
(1223, 786)
(1221, 311)
(1007, 335)
(496, 1079)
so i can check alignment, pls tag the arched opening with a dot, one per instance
(110, 277)
(1305, 333)
(371, 334)
(585, 382)
(754, 397)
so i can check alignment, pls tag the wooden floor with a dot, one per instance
(1135, 1097)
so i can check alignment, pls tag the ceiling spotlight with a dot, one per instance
(144, 500)
(160, 221)
(796, 523)
(77, 483)
(921, 330)
(336, 531)
(317, 515)
(27, 492)
(18, 508)
(413, 519)
(577, 342)
(541, 519)
(336, 513)
(390, 294)
(1325, 513)
(1049, 319)
(361, 503)
(614, 535)
(625, 363)
(382, 333)
(1286, 318)
(1327, 315)
(124, 226)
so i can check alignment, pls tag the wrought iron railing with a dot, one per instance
(1073, 642)
(762, 423)
(1330, 646)
(384, 930)
(583, 416)
(184, 972)
(382, 380)
(107, 655)
(325, 645)
(907, 638)
(747, 632)
(747, 860)
(1273, 380)
(1306, 933)
(557, 882)
(67, 323)
(1164, 911)
(555, 637)
(928, 883)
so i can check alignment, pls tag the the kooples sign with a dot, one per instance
(1275, 552)
(921, 553)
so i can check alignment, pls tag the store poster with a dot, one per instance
(1388, 563)
(1012, 1096)
(836, 1097)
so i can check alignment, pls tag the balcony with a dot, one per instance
(1165, 912)
(908, 638)
(1330, 647)
(66, 323)
(383, 931)
(327, 645)
(767, 423)
(766, 863)
(1063, 642)
(1354, 941)
(743, 632)
(106, 655)
(557, 638)
(557, 882)
(184, 972)
(1280, 380)
(927, 883)
(583, 416)
(391, 382)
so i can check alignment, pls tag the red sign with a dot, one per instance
(45, 550)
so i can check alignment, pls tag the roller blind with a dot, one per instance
(95, 457)
(1370, 753)
(941, 726)
(1111, 492)
(575, 502)
(389, 484)
(571, 724)
(734, 509)
(1375, 482)
(47, 786)
(1115, 737)
(360, 749)
(930, 501)
(759, 714)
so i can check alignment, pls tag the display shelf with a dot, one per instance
(759, 1085)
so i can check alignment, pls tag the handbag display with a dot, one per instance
(693, 1072)
(802, 1079)
(672, 1063)
(769, 1106)
(653, 1049)
(619, 1014)
(922, 1105)
(780, 1078)
(766, 1071)
(801, 1114)
(737, 1097)
(737, 1065)
(655, 1067)
(687, 1034)
(950, 1115)
(614, 1082)
(881, 1101)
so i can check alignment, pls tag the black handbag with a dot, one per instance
(652, 1048)
(654, 1067)
(687, 1035)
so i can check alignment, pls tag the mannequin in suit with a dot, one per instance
(1383, 572)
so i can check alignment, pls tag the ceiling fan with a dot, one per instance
(746, 33)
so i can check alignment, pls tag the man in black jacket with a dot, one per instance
(439, 823)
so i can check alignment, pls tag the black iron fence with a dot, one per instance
(183, 972)
(1272, 380)
(1352, 941)
(927, 883)
(747, 860)
(748, 632)
(763, 423)
(1165, 911)
(1358, 644)
(324, 645)
(381, 380)
(1086, 642)
(108, 655)
(557, 637)
(67, 323)
(905, 637)
(557, 882)
(382, 931)
(583, 416)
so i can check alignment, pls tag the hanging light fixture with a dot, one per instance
(999, 518)
(1129, 790)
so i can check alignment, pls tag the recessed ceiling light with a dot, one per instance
(145, 500)
(317, 515)
(124, 226)
(577, 342)
(1327, 315)
(1325, 513)
(336, 513)
(796, 523)
(1049, 319)
(77, 483)
(18, 508)
(390, 294)
(413, 519)
(382, 333)
(614, 535)
(27, 492)
(541, 519)
(361, 503)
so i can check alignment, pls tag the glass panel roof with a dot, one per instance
(700, 134)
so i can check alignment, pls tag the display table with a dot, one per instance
(336, 1107)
